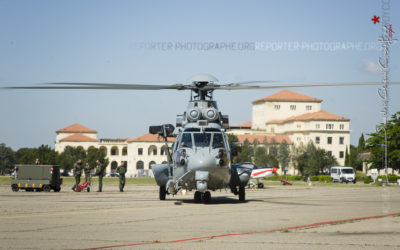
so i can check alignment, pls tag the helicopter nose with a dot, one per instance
(274, 170)
(203, 162)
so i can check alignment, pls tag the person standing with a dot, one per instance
(37, 161)
(121, 169)
(100, 172)
(87, 172)
(77, 173)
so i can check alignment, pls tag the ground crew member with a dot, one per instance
(100, 172)
(87, 172)
(77, 173)
(121, 169)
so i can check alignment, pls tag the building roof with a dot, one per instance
(321, 115)
(245, 124)
(79, 138)
(287, 96)
(150, 138)
(264, 138)
(76, 128)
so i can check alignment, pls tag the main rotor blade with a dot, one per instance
(106, 86)
(238, 87)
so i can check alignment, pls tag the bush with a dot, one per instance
(273, 178)
(392, 178)
(324, 178)
(367, 179)
(360, 176)
(314, 178)
(294, 178)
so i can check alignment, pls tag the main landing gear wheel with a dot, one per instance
(197, 197)
(163, 193)
(206, 197)
(242, 194)
(260, 185)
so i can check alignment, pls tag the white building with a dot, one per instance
(300, 118)
(139, 153)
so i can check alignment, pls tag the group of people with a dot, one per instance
(100, 169)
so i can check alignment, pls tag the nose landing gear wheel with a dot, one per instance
(207, 197)
(197, 197)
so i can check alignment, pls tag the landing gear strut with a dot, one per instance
(242, 194)
(163, 192)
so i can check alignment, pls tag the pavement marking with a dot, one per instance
(316, 224)
(5, 217)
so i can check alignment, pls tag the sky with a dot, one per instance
(167, 42)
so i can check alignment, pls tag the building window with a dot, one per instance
(272, 130)
(341, 140)
(125, 151)
(139, 165)
(341, 154)
(298, 139)
(150, 164)
(277, 106)
(140, 151)
(341, 126)
(329, 126)
(114, 151)
(317, 126)
(329, 140)
(292, 107)
(298, 126)
(317, 140)
(329, 153)
(308, 107)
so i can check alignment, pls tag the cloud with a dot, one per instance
(370, 67)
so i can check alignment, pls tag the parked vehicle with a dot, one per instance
(343, 174)
(36, 178)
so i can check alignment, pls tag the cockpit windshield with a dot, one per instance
(186, 140)
(202, 139)
(218, 141)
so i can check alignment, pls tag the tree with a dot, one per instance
(45, 154)
(94, 154)
(26, 156)
(284, 154)
(70, 155)
(315, 160)
(375, 144)
(246, 153)
(6, 159)
(347, 158)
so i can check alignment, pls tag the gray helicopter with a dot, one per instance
(200, 158)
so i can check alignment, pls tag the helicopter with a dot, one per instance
(201, 155)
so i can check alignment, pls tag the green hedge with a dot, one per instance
(367, 179)
(392, 178)
(324, 178)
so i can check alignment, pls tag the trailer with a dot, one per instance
(36, 178)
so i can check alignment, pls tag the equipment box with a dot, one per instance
(36, 178)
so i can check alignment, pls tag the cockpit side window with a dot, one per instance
(218, 141)
(202, 139)
(186, 141)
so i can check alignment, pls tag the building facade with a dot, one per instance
(139, 153)
(300, 118)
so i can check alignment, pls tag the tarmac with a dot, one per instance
(276, 217)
